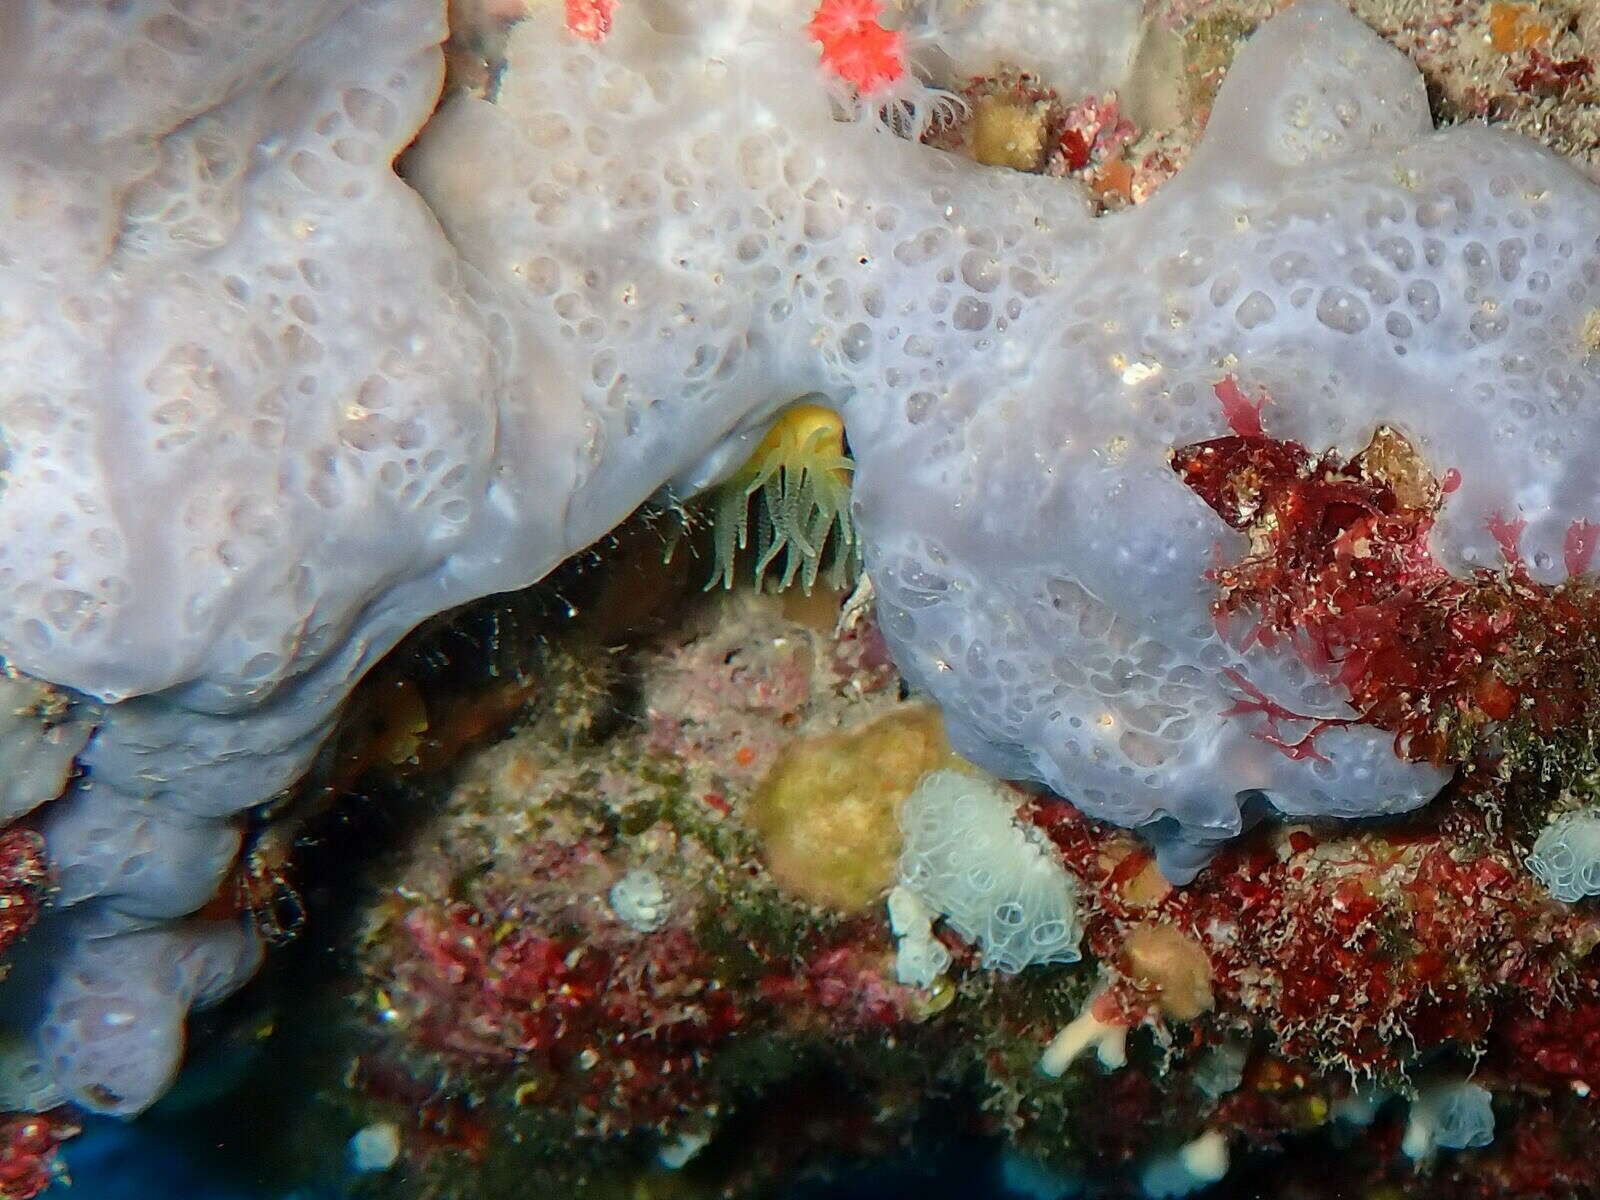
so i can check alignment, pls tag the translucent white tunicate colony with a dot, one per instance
(1453, 1115)
(264, 406)
(995, 882)
(1566, 855)
(639, 900)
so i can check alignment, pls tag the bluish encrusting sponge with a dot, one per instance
(268, 406)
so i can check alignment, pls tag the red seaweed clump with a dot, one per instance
(1339, 569)
(1547, 75)
(1354, 954)
(28, 1146)
(24, 873)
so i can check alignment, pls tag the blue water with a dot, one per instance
(113, 1160)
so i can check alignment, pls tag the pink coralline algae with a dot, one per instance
(617, 1033)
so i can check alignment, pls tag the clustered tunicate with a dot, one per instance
(994, 881)
(1566, 855)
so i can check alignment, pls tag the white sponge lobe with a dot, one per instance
(41, 732)
(247, 395)
(112, 1032)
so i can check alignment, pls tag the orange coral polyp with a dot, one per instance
(855, 46)
(589, 19)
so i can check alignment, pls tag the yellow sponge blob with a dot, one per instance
(826, 813)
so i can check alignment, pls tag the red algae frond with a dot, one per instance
(1507, 534)
(1256, 701)
(1339, 568)
(28, 1147)
(1243, 417)
(1578, 546)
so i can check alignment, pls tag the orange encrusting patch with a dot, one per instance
(855, 47)
(1170, 967)
(1114, 180)
(1513, 27)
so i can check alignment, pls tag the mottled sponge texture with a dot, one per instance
(246, 395)
(686, 225)
(264, 407)
(1042, 572)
